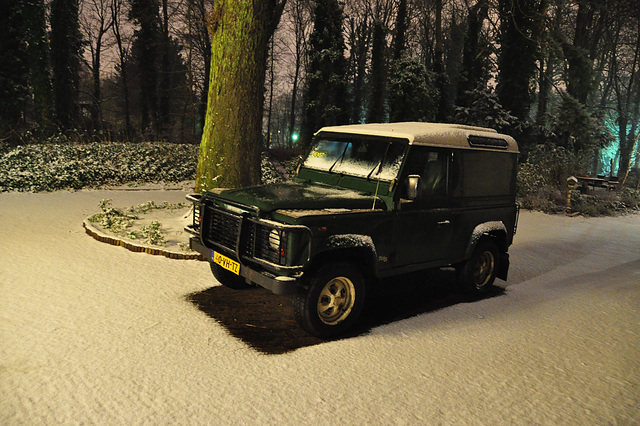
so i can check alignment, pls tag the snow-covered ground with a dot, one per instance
(94, 334)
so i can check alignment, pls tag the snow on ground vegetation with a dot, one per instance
(147, 225)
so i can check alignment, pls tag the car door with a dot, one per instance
(423, 225)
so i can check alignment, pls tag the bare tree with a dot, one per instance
(96, 20)
(625, 65)
(298, 22)
(122, 43)
(191, 30)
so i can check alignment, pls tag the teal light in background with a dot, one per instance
(609, 154)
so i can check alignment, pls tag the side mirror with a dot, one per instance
(412, 188)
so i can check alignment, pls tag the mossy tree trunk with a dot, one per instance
(232, 137)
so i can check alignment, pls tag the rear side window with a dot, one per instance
(483, 174)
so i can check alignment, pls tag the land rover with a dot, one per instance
(370, 201)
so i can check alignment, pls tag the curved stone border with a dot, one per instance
(115, 241)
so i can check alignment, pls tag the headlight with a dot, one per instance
(274, 239)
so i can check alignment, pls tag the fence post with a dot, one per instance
(571, 183)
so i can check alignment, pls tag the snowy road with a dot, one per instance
(95, 334)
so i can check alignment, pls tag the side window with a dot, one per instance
(431, 165)
(484, 173)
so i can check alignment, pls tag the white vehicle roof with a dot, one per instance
(433, 134)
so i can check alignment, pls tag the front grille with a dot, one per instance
(257, 241)
(248, 239)
(223, 228)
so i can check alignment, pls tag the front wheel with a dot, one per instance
(333, 302)
(229, 279)
(477, 274)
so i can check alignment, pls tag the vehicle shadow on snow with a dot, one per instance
(266, 321)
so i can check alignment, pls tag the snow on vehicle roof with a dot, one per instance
(433, 134)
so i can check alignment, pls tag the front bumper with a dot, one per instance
(277, 284)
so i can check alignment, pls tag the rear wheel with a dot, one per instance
(229, 279)
(333, 302)
(478, 274)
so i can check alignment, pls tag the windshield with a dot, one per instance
(375, 159)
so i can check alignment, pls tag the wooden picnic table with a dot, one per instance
(598, 182)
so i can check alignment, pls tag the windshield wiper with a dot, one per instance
(341, 157)
(379, 165)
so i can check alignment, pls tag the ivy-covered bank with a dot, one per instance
(50, 167)
(44, 167)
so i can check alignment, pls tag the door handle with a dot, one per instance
(444, 222)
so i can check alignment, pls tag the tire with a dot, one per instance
(333, 302)
(229, 279)
(478, 274)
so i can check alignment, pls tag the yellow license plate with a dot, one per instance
(226, 263)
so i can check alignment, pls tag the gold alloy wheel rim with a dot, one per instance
(336, 300)
(483, 269)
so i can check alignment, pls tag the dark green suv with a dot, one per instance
(369, 201)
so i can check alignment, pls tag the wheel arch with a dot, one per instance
(357, 249)
(493, 229)
(497, 232)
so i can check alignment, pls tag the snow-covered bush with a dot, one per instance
(278, 170)
(546, 198)
(149, 234)
(270, 173)
(542, 178)
(601, 203)
(48, 167)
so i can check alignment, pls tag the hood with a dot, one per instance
(307, 196)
